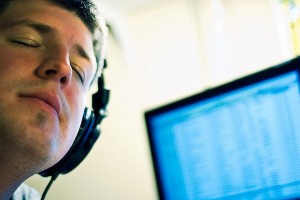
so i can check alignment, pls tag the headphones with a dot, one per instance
(87, 135)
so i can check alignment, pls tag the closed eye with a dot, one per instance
(79, 72)
(26, 42)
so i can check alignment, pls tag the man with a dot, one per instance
(49, 51)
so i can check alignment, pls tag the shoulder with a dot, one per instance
(24, 192)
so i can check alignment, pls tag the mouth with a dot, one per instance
(48, 98)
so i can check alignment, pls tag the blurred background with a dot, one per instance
(160, 51)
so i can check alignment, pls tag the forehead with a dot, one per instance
(67, 25)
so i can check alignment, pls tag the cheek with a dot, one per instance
(70, 122)
(75, 99)
(14, 71)
(15, 62)
(6, 61)
(76, 104)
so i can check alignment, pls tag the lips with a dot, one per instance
(46, 97)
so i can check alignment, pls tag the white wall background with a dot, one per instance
(159, 54)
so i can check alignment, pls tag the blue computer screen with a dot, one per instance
(241, 144)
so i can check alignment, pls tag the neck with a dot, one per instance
(10, 180)
(13, 172)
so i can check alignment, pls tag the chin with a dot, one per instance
(61, 148)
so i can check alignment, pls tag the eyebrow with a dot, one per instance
(46, 29)
(42, 28)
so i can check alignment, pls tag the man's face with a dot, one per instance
(46, 66)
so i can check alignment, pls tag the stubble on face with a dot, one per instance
(37, 132)
(41, 119)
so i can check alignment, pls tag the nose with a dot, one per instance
(56, 66)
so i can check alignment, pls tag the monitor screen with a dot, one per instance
(240, 140)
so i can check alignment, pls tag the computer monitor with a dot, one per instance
(240, 140)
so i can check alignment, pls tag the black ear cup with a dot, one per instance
(83, 143)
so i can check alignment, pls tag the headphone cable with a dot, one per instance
(53, 178)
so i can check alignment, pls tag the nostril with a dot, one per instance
(63, 79)
(58, 71)
(50, 72)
